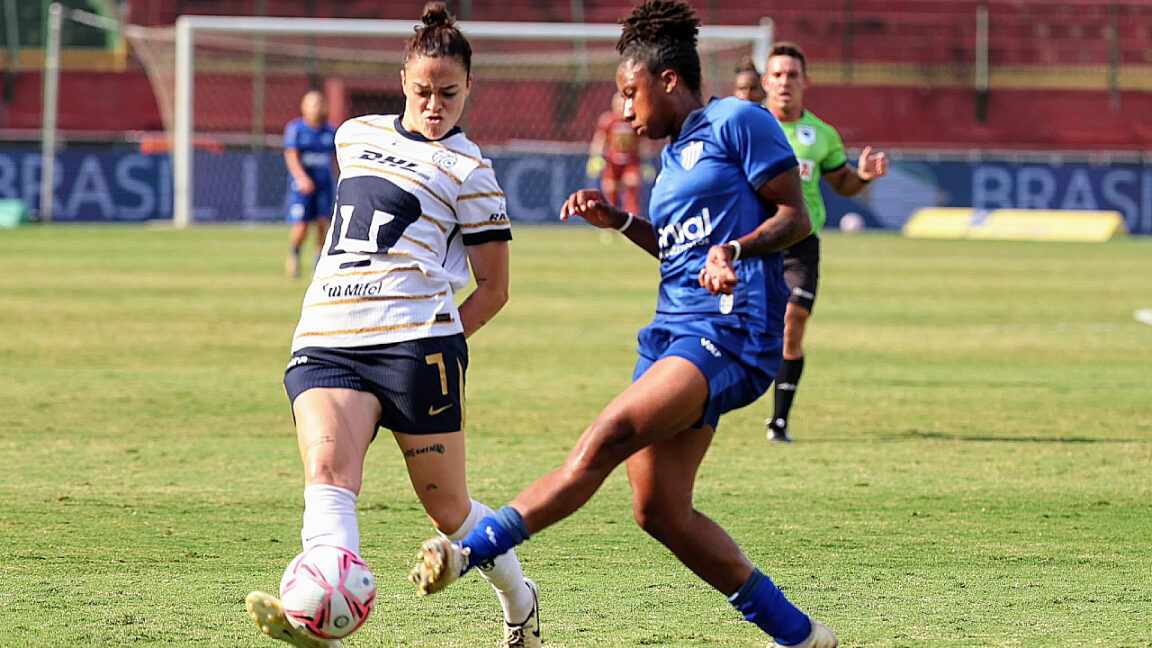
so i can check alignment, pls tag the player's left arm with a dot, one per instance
(489, 263)
(771, 168)
(848, 181)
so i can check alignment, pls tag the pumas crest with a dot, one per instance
(690, 155)
(444, 158)
(806, 135)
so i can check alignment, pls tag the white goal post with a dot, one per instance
(190, 28)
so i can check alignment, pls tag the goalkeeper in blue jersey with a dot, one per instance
(310, 155)
(727, 200)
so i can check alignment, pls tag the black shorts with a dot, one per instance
(419, 383)
(802, 271)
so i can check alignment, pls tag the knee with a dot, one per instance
(448, 514)
(795, 318)
(321, 471)
(661, 520)
(322, 468)
(605, 445)
(794, 324)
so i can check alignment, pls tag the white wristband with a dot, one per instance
(627, 222)
(735, 246)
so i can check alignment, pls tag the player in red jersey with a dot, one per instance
(614, 156)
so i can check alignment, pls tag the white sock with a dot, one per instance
(506, 576)
(330, 518)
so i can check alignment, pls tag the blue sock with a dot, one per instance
(494, 535)
(764, 604)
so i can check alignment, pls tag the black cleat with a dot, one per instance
(777, 431)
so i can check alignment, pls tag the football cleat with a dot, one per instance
(777, 434)
(527, 634)
(268, 614)
(820, 637)
(438, 564)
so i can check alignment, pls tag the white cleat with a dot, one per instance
(820, 637)
(438, 564)
(527, 634)
(267, 612)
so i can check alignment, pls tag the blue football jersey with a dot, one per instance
(705, 195)
(315, 145)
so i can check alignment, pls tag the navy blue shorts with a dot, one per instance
(419, 383)
(737, 372)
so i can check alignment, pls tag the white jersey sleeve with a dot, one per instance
(481, 207)
(406, 207)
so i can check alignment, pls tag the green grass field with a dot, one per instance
(973, 464)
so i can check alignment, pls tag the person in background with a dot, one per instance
(727, 200)
(820, 153)
(746, 84)
(309, 153)
(614, 157)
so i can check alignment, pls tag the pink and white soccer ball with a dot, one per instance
(851, 223)
(327, 591)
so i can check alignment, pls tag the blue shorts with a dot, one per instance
(419, 383)
(305, 208)
(737, 368)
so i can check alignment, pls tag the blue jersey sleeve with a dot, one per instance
(754, 139)
(292, 135)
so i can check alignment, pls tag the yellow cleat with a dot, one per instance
(268, 614)
(438, 564)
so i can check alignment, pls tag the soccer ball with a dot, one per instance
(327, 591)
(851, 223)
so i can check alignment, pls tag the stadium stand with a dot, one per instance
(898, 73)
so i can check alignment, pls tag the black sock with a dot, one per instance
(786, 382)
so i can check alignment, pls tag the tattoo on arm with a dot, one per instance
(775, 234)
(778, 232)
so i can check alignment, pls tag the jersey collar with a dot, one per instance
(693, 119)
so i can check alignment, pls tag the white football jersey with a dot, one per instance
(406, 207)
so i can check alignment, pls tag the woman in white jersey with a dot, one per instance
(380, 342)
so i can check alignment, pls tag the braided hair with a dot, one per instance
(438, 37)
(662, 34)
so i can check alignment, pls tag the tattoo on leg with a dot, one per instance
(327, 438)
(435, 447)
(431, 487)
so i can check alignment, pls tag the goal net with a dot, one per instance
(227, 86)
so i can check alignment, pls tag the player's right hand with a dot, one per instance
(305, 185)
(592, 206)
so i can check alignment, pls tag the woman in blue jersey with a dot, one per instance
(727, 199)
(381, 340)
(309, 154)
